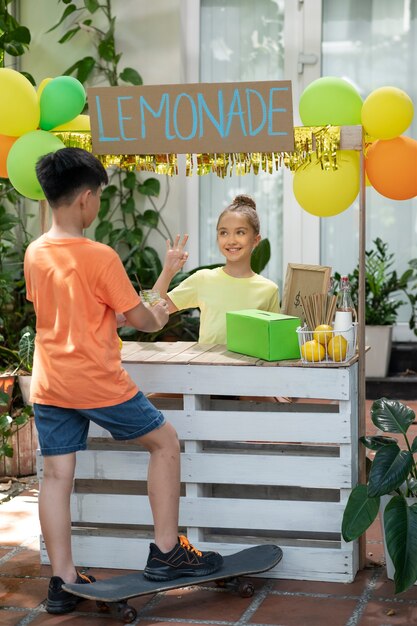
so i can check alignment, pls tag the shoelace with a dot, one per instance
(187, 545)
(85, 578)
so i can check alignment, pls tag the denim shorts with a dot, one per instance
(62, 431)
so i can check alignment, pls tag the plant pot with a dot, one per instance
(25, 444)
(24, 384)
(6, 385)
(379, 338)
(383, 503)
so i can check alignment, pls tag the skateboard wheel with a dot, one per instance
(246, 590)
(129, 615)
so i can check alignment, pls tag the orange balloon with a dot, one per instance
(5, 145)
(391, 167)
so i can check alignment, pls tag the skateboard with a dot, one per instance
(112, 594)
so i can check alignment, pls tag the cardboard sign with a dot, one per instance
(194, 118)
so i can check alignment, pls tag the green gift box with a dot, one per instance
(269, 336)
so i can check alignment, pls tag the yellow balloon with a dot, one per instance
(19, 107)
(80, 123)
(387, 112)
(325, 193)
(42, 86)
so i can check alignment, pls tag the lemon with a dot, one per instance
(337, 348)
(313, 351)
(323, 334)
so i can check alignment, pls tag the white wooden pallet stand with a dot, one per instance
(252, 471)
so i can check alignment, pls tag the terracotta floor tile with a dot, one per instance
(337, 589)
(22, 592)
(388, 614)
(25, 563)
(19, 520)
(75, 618)
(4, 551)
(296, 611)
(385, 589)
(196, 603)
(375, 554)
(11, 618)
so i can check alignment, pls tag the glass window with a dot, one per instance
(372, 43)
(239, 42)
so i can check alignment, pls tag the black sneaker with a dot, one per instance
(60, 601)
(182, 560)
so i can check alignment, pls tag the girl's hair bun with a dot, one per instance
(242, 200)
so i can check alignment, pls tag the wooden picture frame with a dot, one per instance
(303, 280)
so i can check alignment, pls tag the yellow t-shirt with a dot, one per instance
(76, 285)
(214, 292)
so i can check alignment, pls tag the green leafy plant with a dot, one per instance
(393, 471)
(383, 286)
(10, 425)
(26, 349)
(129, 212)
(14, 37)
(15, 311)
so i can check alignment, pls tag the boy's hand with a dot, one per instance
(160, 311)
(175, 256)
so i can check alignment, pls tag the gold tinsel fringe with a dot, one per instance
(324, 142)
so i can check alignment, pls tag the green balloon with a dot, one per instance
(62, 99)
(330, 100)
(22, 159)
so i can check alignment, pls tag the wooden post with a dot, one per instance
(43, 216)
(352, 138)
(361, 336)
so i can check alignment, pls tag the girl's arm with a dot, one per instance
(174, 261)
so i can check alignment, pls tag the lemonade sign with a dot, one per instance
(195, 118)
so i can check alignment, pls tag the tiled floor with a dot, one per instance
(368, 601)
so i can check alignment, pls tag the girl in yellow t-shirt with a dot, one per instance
(231, 287)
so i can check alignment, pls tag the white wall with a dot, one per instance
(148, 36)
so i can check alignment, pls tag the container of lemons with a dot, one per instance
(323, 344)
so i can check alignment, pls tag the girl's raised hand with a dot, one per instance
(175, 256)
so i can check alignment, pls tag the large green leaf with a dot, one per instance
(360, 512)
(92, 5)
(129, 75)
(129, 180)
(103, 230)
(391, 416)
(377, 442)
(400, 522)
(150, 187)
(260, 256)
(389, 470)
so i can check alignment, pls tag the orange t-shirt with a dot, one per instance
(76, 286)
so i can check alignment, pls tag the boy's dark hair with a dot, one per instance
(66, 172)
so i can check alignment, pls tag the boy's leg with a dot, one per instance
(54, 513)
(163, 483)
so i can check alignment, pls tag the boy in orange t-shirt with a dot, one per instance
(76, 286)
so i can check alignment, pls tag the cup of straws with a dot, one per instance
(318, 308)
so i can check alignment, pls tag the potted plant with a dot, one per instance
(9, 426)
(383, 289)
(391, 488)
(25, 352)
